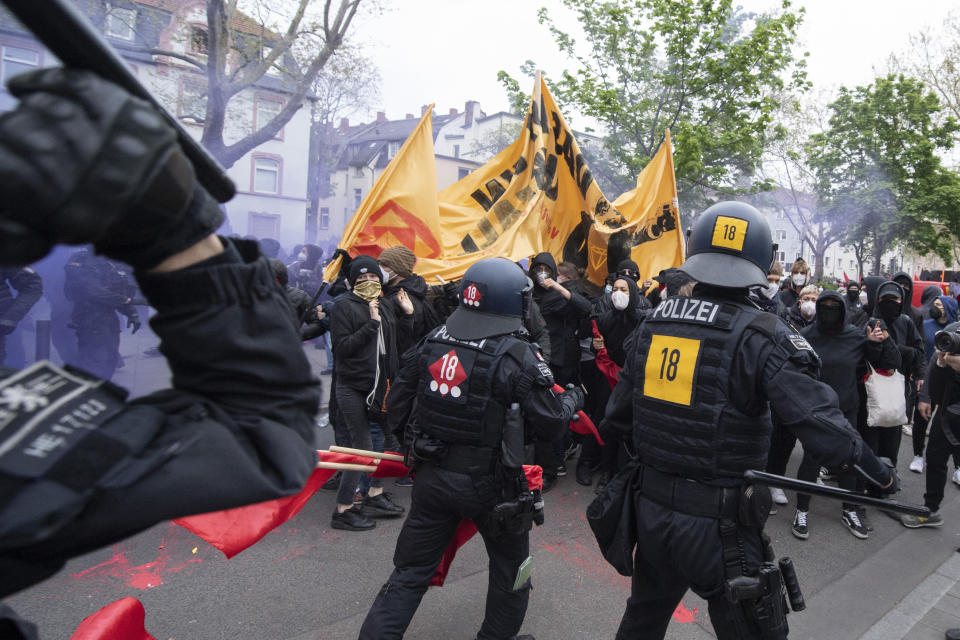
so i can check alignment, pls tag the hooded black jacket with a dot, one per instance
(615, 325)
(562, 317)
(903, 332)
(425, 316)
(842, 352)
(908, 309)
(930, 293)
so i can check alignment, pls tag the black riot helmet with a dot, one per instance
(491, 300)
(730, 247)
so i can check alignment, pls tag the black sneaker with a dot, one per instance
(584, 474)
(561, 470)
(851, 521)
(333, 484)
(799, 528)
(549, 482)
(381, 506)
(353, 519)
(862, 514)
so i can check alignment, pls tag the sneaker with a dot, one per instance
(353, 519)
(333, 484)
(773, 509)
(561, 470)
(405, 481)
(572, 450)
(323, 421)
(917, 465)
(851, 521)
(915, 522)
(602, 483)
(800, 525)
(584, 474)
(907, 430)
(381, 506)
(778, 495)
(862, 514)
(956, 477)
(826, 475)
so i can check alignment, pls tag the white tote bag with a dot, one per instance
(886, 400)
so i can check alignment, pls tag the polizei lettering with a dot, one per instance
(687, 309)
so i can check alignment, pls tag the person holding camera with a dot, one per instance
(942, 386)
(452, 407)
(82, 161)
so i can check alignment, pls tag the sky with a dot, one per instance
(449, 51)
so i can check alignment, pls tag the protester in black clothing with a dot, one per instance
(299, 299)
(627, 269)
(368, 332)
(306, 272)
(456, 386)
(237, 425)
(856, 315)
(799, 278)
(906, 283)
(843, 349)
(802, 313)
(397, 264)
(701, 377)
(930, 293)
(28, 287)
(99, 289)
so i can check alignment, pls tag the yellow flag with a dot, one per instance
(538, 195)
(401, 209)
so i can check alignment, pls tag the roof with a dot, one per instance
(368, 144)
(239, 22)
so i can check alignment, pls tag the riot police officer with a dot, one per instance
(700, 380)
(459, 383)
(99, 289)
(29, 288)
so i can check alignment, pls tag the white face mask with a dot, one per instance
(770, 290)
(799, 279)
(387, 274)
(808, 309)
(863, 297)
(620, 299)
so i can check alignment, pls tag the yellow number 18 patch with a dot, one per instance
(671, 369)
(729, 233)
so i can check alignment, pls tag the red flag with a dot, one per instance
(845, 278)
(121, 620)
(467, 529)
(234, 530)
(583, 424)
(607, 367)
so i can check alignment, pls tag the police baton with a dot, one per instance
(69, 35)
(814, 489)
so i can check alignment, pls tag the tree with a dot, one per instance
(703, 70)
(877, 167)
(349, 83)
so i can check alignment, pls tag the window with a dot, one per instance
(456, 151)
(265, 110)
(357, 198)
(781, 234)
(193, 101)
(263, 225)
(462, 172)
(781, 256)
(393, 148)
(120, 23)
(266, 174)
(15, 60)
(358, 172)
(198, 39)
(826, 262)
(324, 217)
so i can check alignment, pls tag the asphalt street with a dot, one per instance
(306, 581)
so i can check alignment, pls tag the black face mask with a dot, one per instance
(935, 313)
(830, 318)
(853, 295)
(889, 309)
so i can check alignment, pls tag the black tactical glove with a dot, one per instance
(574, 397)
(133, 323)
(82, 161)
(892, 475)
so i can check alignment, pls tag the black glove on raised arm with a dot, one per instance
(82, 161)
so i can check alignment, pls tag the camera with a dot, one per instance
(947, 341)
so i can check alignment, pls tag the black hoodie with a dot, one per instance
(903, 332)
(616, 325)
(843, 348)
(425, 316)
(908, 308)
(562, 317)
(930, 293)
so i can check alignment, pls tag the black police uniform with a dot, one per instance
(29, 288)
(99, 290)
(461, 390)
(696, 391)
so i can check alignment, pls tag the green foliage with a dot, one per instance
(877, 169)
(706, 71)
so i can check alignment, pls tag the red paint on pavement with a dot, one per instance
(682, 614)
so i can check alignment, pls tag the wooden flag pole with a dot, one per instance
(344, 466)
(368, 454)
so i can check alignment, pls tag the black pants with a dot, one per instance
(98, 349)
(939, 450)
(441, 499)
(782, 442)
(353, 411)
(676, 552)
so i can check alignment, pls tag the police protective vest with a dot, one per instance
(455, 399)
(686, 422)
